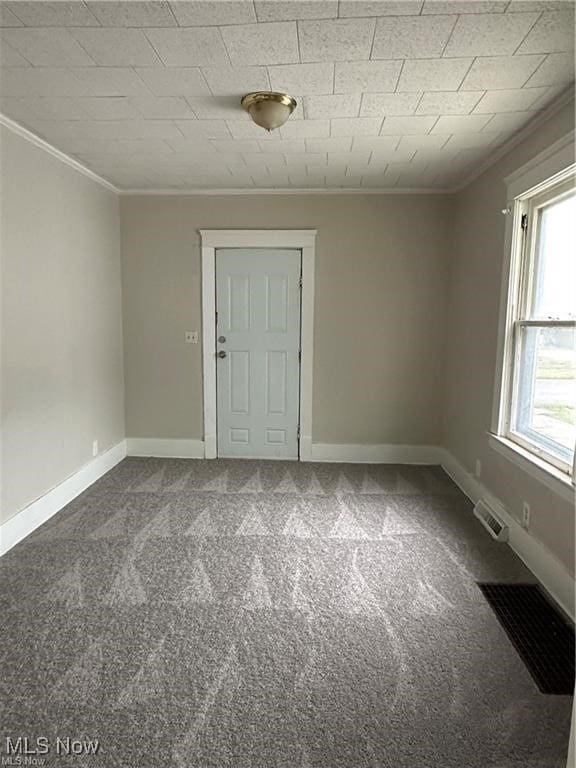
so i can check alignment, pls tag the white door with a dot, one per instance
(258, 351)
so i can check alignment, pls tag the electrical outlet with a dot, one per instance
(191, 337)
(525, 515)
(95, 448)
(478, 470)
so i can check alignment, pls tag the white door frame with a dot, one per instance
(302, 239)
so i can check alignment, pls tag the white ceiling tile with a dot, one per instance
(381, 104)
(118, 146)
(343, 160)
(552, 33)
(439, 157)
(375, 144)
(291, 10)
(495, 72)
(162, 107)
(236, 147)
(176, 81)
(460, 124)
(397, 126)
(11, 58)
(228, 81)
(133, 14)
(304, 129)
(217, 108)
(515, 100)
(117, 47)
(346, 105)
(449, 102)
(507, 122)
(193, 46)
(273, 43)
(433, 74)
(411, 37)
(384, 156)
(371, 76)
(197, 134)
(285, 146)
(47, 47)
(470, 140)
(464, 6)
(18, 109)
(108, 129)
(356, 126)
(489, 34)
(550, 94)
(335, 145)
(263, 161)
(206, 129)
(109, 81)
(107, 108)
(379, 8)
(339, 40)
(48, 108)
(53, 14)
(302, 78)
(557, 69)
(7, 18)
(304, 159)
(246, 129)
(33, 81)
(429, 142)
(522, 6)
(213, 12)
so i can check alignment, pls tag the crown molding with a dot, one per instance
(539, 119)
(266, 192)
(24, 133)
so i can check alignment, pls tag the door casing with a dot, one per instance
(211, 239)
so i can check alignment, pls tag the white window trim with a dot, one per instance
(554, 165)
(304, 240)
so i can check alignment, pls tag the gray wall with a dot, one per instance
(476, 274)
(380, 310)
(61, 332)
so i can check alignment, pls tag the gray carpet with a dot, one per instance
(269, 615)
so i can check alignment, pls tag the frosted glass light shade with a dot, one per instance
(267, 109)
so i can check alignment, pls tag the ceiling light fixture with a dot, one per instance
(269, 110)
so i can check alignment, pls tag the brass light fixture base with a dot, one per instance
(269, 109)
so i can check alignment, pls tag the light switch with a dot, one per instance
(191, 337)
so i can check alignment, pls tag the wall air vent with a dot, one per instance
(489, 519)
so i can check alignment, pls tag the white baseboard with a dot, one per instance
(376, 454)
(28, 519)
(537, 557)
(165, 448)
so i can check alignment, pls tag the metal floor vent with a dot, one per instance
(490, 520)
(542, 636)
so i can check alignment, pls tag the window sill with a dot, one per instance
(540, 470)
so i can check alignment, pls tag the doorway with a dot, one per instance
(252, 277)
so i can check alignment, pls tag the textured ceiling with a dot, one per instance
(404, 94)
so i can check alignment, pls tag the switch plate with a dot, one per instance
(191, 337)
(526, 515)
(95, 448)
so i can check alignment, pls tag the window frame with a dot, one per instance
(547, 177)
(529, 206)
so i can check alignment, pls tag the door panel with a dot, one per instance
(258, 381)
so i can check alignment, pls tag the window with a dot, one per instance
(538, 405)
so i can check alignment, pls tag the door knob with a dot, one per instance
(222, 353)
